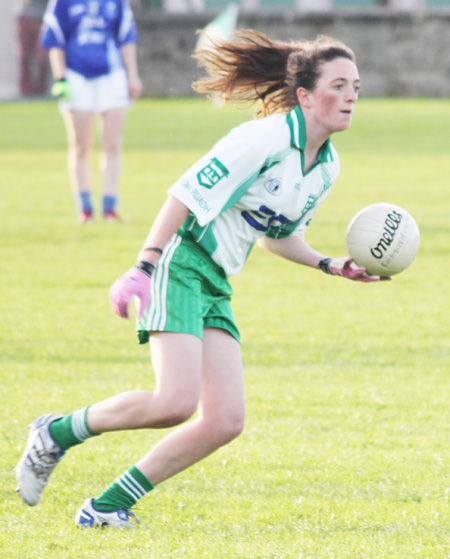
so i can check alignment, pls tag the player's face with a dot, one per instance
(332, 102)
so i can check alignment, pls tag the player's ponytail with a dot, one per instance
(253, 68)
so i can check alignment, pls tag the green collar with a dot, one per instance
(296, 123)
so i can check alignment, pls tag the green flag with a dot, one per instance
(221, 27)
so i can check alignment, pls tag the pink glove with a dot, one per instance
(346, 268)
(135, 282)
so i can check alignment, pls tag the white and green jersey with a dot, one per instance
(252, 184)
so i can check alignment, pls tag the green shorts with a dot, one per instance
(190, 292)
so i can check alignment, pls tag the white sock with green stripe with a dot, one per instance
(124, 492)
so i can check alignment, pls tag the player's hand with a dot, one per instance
(135, 88)
(62, 90)
(134, 283)
(346, 268)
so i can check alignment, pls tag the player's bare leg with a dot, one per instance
(111, 128)
(79, 136)
(177, 360)
(220, 419)
(221, 412)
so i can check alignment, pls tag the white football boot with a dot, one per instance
(38, 460)
(88, 517)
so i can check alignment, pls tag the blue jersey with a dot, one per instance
(90, 32)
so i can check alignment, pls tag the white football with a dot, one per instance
(383, 238)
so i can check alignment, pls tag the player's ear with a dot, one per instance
(303, 96)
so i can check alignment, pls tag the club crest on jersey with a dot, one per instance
(273, 186)
(211, 174)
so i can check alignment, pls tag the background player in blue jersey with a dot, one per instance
(260, 183)
(92, 50)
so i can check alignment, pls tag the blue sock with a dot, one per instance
(86, 202)
(109, 203)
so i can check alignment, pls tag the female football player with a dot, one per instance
(261, 183)
(93, 60)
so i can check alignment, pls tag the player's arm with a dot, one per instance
(136, 282)
(60, 87)
(292, 248)
(297, 250)
(169, 219)
(129, 58)
(57, 58)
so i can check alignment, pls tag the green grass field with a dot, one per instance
(346, 449)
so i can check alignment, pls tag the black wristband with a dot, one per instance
(324, 265)
(147, 267)
(154, 249)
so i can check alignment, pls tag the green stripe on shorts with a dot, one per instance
(190, 292)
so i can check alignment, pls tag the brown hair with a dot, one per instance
(252, 67)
